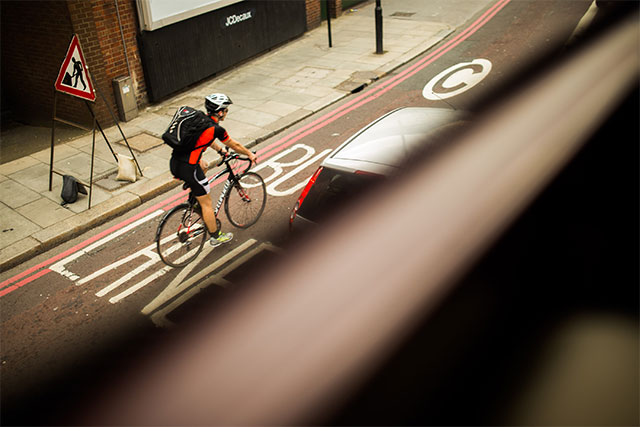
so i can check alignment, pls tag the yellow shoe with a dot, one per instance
(220, 239)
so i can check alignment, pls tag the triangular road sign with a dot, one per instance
(73, 77)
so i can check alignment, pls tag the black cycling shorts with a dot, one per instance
(192, 175)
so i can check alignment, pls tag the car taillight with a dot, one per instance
(312, 181)
(304, 193)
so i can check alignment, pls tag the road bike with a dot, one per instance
(182, 232)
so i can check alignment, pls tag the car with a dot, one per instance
(377, 151)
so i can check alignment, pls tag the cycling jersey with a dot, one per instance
(205, 140)
(186, 166)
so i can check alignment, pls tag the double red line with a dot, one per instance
(264, 153)
(381, 89)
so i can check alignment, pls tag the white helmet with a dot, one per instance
(216, 102)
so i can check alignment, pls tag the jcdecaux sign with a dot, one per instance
(234, 19)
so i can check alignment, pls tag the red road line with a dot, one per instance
(88, 242)
(282, 143)
(419, 65)
(24, 282)
(383, 88)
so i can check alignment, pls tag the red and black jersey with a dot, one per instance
(205, 140)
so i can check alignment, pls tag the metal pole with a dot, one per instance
(93, 154)
(53, 138)
(378, 28)
(115, 120)
(124, 45)
(329, 22)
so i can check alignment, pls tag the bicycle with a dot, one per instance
(182, 232)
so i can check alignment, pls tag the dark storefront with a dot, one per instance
(182, 53)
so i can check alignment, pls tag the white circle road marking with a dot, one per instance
(456, 79)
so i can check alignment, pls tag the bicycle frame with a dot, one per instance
(231, 179)
(189, 228)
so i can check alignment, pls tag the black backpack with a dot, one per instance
(70, 189)
(185, 128)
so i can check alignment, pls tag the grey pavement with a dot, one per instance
(270, 94)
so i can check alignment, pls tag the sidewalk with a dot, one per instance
(270, 93)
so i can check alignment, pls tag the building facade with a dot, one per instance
(126, 38)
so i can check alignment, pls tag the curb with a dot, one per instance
(70, 228)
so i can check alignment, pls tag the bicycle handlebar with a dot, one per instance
(226, 157)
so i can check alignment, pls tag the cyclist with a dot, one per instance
(190, 167)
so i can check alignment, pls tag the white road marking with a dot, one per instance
(277, 166)
(178, 284)
(271, 189)
(160, 312)
(456, 79)
(59, 267)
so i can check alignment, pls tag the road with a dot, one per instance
(106, 294)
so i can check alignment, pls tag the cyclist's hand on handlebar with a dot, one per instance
(224, 152)
(254, 159)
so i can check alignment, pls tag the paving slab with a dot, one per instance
(18, 165)
(60, 151)
(14, 227)
(80, 166)
(13, 194)
(35, 177)
(44, 212)
(142, 142)
(253, 117)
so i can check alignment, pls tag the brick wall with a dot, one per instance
(96, 23)
(121, 57)
(33, 48)
(83, 24)
(35, 39)
(314, 11)
(335, 8)
(313, 14)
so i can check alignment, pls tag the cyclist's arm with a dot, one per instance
(239, 148)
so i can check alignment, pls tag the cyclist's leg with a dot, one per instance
(200, 188)
(195, 179)
(201, 191)
(207, 213)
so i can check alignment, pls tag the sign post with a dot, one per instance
(74, 79)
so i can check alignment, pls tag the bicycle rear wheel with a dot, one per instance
(180, 235)
(245, 200)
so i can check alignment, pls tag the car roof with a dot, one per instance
(385, 144)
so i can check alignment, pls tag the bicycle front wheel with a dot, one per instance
(180, 235)
(245, 200)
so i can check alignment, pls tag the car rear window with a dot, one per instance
(332, 190)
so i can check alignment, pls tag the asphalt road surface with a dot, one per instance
(107, 295)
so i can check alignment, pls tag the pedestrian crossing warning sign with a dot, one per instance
(73, 77)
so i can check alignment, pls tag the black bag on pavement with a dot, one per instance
(185, 128)
(70, 189)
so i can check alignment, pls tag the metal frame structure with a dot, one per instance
(96, 123)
